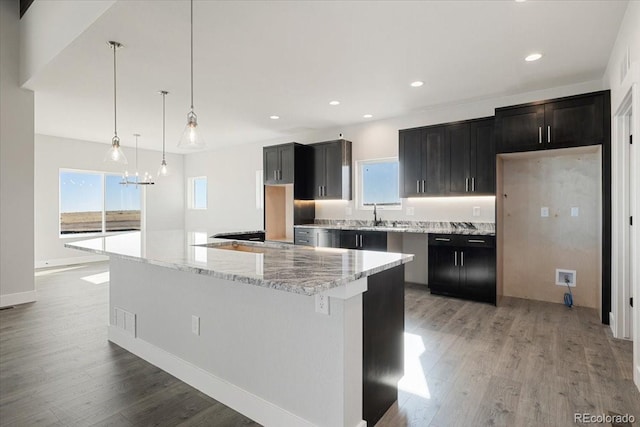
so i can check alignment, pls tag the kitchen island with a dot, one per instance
(286, 335)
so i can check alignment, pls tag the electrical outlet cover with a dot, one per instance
(476, 211)
(575, 211)
(322, 304)
(349, 211)
(411, 211)
(544, 211)
(195, 325)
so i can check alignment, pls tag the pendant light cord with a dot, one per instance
(115, 110)
(164, 94)
(191, 55)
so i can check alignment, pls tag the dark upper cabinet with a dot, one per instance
(436, 161)
(332, 170)
(290, 163)
(452, 159)
(423, 157)
(278, 164)
(560, 123)
(458, 139)
(412, 158)
(483, 156)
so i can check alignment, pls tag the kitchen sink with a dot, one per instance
(238, 247)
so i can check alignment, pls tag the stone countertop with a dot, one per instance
(285, 267)
(432, 227)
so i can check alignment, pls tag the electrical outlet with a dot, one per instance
(544, 211)
(322, 304)
(575, 211)
(565, 277)
(476, 211)
(411, 211)
(195, 325)
(349, 211)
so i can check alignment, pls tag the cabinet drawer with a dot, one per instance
(305, 236)
(478, 241)
(444, 240)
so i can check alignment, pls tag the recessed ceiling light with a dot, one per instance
(417, 83)
(533, 57)
(334, 103)
(274, 117)
(367, 116)
(520, 1)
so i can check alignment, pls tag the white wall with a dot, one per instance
(231, 184)
(628, 40)
(16, 168)
(164, 201)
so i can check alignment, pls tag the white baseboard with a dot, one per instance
(57, 262)
(248, 404)
(17, 298)
(362, 423)
(612, 325)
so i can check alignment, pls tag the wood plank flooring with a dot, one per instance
(525, 363)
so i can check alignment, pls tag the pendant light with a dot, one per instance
(115, 154)
(191, 137)
(163, 171)
(146, 179)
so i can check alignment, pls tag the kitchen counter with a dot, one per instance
(433, 227)
(280, 266)
(212, 312)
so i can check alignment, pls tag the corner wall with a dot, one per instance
(164, 201)
(17, 283)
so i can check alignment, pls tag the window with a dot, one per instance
(198, 192)
(96, 202)
(379, 183)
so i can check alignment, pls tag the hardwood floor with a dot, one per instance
(524, 363)
(58, 369)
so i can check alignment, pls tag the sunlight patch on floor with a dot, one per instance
(39, 273)
(414, 380)
(97, 279)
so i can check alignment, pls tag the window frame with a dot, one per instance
(191, 191)
(360, 184)
(103, 183)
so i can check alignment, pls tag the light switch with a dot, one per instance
(349, 211)
(575, 211)
(476, 211)
(411, 211)
(544, 211)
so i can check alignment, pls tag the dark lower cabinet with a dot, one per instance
(366, 240)
(318, 237)
(382, 342)
(463, 266)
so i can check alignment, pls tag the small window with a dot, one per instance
(379, 183)
(198, 192)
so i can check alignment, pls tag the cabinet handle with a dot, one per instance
(442, 239)
(548, 133)
(539, 134)
(475, 241)
(466, 184)
(455, 258)
(417, 186)
(302, 240)
(461, 259)
(274, 175)
(356, 240)
(319, 190)
(423, 182)
(473, 184)
(361, 240)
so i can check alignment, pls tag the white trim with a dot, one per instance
(250, 405)
(57, 262)
(17, 298)
(191, 192)
(362, 423)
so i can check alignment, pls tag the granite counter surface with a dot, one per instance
(433, 227)
(284, 267)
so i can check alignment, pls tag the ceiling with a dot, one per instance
(254, 59)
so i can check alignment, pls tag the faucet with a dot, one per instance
(376, 221)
